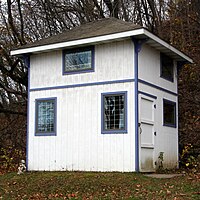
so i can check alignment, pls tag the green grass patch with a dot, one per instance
(91, 185)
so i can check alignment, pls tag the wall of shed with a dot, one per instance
(113, 61)
(166, 139)
(79, 144)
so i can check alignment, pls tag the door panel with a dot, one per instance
(146, 134)
(146, 130)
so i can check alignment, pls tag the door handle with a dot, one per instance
(139, 125)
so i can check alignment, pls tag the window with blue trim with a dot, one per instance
(114, 112)
(167, 67)
(46, 116)
(169, 113)
(78, 60)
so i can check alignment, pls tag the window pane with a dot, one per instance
(78, 61)
(169, 113)
(167, 67)
(45, 116)
(114, 115)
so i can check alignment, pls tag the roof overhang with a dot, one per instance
(141, 33)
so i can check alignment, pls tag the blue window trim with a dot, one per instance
(55, 117)
(80, 49)
(175, 120)
(161, 75)
(125, 110)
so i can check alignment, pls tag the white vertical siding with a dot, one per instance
(113, 61)
(166, 139)
(149, 69)
(79, 144)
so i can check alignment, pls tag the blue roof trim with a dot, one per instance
(83, 85)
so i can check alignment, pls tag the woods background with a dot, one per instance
(25, 21)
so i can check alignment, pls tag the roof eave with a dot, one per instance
(141, 32)
(165, 47)
(79, 42)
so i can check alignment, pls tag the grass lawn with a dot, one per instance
(89, 185)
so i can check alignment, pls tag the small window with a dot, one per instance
(167, 67)
(46, 116)
(78, 60)
(114, 114)
(169, 113)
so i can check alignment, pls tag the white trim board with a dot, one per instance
(78, 42)
(104, 38)
(168, 46)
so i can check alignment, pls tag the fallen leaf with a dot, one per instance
(168, 192)
(196, 192)
(181, 194)
(138, 186)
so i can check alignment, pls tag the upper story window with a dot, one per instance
(114, 114)
(78, 60)
(169, 113)
(167, 67)
(45, 117)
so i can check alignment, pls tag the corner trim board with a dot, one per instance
(137, 48)
(27, 63)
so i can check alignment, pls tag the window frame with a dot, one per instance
(174, 125)
(171, 79)
(122, 131)
(52, 133)
(78, 50)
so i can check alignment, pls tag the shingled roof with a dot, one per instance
(92, 29)
(104, 30)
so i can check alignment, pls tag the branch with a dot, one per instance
(12, 91)
(9, 111)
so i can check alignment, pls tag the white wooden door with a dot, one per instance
(146, 133)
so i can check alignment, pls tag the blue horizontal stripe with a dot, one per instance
(82, 85)
(147, 94)
(157, 87)
(104, 83)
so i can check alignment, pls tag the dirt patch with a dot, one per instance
(163, 175)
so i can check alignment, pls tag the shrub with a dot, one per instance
(9, 158)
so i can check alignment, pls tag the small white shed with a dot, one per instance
(102, 97)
